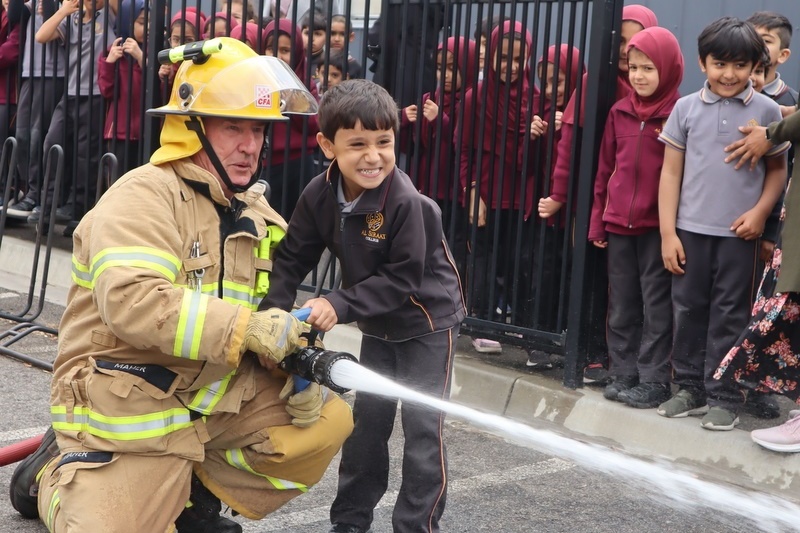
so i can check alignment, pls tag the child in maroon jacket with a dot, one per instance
(495, 127)
(9, 56)
(119, 78)
(456, 72)
(625, 220)
(292, 143)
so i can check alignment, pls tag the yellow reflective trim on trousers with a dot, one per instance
(124, 428)
(209, 396)
(55, 501)
(190, 324)
(235, 458)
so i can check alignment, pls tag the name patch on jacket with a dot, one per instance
(155, 375)
(374, 223)
(85, 457)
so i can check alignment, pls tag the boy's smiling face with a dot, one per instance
(365, 157)
(726, 78)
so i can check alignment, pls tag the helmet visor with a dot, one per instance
(256, 88)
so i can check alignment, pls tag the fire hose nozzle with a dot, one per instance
(314, 364)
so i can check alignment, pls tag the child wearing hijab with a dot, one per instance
(456, 72)
(495, 128)
(291, 165)
(185, 27)
(249, 33)
(635, 18)
(625, 221)
(559, 70)
(219, 25)
(119, 78)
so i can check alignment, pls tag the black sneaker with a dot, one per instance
(596, 374)
(619, 384)
(647, 395)
(347, 528)
(21, 209)
(762, 405)
(24, 486)
(538, 360)
(63, 214)
(204, 514)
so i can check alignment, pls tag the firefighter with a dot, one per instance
(166, 397)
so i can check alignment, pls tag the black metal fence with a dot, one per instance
(487, 140)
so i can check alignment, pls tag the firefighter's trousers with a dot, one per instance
(255, 461)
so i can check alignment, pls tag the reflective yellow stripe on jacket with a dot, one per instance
(191, 320)
(130, 256)
(125, 428)
(209, 396)
(235, 457)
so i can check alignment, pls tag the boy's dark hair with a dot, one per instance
(731, 39)
(314, 20)
(357, 101)
(336, 59)
(770, 20)
(484, 28)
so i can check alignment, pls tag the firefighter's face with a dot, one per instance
(237, 144)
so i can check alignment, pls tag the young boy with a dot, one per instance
(314, 28)
(336, 69)
(398, 282)
(85, 29)
(711, 216)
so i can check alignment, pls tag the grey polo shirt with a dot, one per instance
(714, 194)
(79, 37)
(33, 64)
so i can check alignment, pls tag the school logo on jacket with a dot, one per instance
(374, 223)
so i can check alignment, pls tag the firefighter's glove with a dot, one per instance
(304, 407)
(272, 335)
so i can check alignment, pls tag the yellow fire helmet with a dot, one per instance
(224, 78)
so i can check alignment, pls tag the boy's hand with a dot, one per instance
(765, 251)
(548, 207)
(131, 47)
(68, 7)
(752, 147)
(430, 110)
(538, 127)
(749, 225)
(672, 253)
(115, 52)
(323, 316)
(411, 113)
(481, 209)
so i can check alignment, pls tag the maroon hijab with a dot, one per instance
(564, 52)
(464, 60)
(661, 46)
(496, 111)
(634, 13)
(288, 28)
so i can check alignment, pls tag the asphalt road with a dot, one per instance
(495, 486)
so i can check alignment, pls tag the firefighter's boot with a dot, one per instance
(24, 487)
(203, 514)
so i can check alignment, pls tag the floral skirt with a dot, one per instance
(765, 358)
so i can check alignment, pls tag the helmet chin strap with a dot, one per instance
(196, 126)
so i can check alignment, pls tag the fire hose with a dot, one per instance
(310, 363)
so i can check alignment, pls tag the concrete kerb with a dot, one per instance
(537, 401)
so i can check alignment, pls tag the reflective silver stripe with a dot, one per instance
(209, 396)
(121, 427)
(235, 457)
(136, 256)
(190, 324)
(81, 274)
